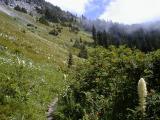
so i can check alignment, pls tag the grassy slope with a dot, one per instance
(37, 44)
(47, 54)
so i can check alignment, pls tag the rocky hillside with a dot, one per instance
(15, 2)
(34, 7)
(29, 5)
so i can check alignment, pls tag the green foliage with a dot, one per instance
(18, 8)
(105, 86)
(26, 88)
(153, 111)
(56, 15)
(52, 17)
(74, 28)
(39, 10)
(31, 89)
(6, 2)
(54, 32)
(94, 35)
(70, 60)
(43, 21)
(83, 52)
(78, 44)
(145, 40)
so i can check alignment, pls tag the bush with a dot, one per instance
(18, 8)
(74, 28)
(39, 10)
(83, 52)
(54, 32)
(43, 21)
(59, 29)
(23, 10)
(70, 60)
(6, 2)
(105, 87)
(30, 25)
(78, 44)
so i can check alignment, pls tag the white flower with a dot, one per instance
(64, 76)
(23, 63)
(19, 62)
(30, 64)
(142, 93)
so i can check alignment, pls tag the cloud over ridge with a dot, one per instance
(74, 6)
(132, 11)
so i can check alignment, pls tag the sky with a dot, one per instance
(121, 11)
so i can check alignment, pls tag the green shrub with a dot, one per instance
(54, 32)
(26, 88)
(43, 21)
(83, 52)
(105, 87)
(18, 8)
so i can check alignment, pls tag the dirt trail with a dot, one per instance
(51, 108)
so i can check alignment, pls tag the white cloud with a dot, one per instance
(132, 11)
(75, 6)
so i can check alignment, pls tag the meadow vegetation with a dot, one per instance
(42, 58)
(32, 64)
(105, 86)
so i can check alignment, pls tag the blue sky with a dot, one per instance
(96, 8)
(122, 11)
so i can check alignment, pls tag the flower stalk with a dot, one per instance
(142, 93)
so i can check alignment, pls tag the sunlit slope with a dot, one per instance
(34, 41)
(32, 63)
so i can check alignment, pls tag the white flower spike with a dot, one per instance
(142, 93)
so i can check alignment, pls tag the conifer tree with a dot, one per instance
(94, 35)
(70, 60)
(83, 52)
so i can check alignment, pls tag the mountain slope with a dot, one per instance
(32, 64)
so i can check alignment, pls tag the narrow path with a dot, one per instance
(51, 108)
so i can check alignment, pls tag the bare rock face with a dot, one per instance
(39, 8)
(13, 2)
(29, 5)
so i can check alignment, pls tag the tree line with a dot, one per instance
(145, 40)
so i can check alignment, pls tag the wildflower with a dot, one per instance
(23, 62)
(142, 93)
(64, 76)
(30, 64)
(19, 62)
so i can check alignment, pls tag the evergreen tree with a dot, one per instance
(6, 2)
(83, 52)
(48, 14)
(70, 60)
(77, 44)
(94, 35)
(105, 41)
(80, 40)
(99, 38)
(43, 21)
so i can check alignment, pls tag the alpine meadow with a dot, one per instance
(59, 62)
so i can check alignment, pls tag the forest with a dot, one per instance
(140, 38)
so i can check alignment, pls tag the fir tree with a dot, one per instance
(94, 35)
(83, 52)
(70, 60)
